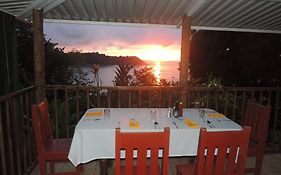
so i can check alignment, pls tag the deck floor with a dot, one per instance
(271, 166)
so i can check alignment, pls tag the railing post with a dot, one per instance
(39, 57)
(185, 51)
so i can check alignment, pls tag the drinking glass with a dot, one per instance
(107, 113)
(153, 115)
(202, 115)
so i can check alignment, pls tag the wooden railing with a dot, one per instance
(17, 149)
(68, 103)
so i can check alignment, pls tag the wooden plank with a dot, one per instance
(226, 102)
(56, 113)
(243, 105)
(150, 99)
(109, 99)
(9, 136)
(29, 127)
(159, 98)
(119, 99)
(234, 106)
(261, 96)
(130, 99)
(276, 112)
(77, 106)
(2, 146)
(24, 148)
(140, 98)
(208, 98)
(66, 113)
(185, 51)
(170, 99)
(16, 134)
(216, 99)
(88, 98)
(39, 57)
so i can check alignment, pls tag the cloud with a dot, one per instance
(97, 34)
(111, 40)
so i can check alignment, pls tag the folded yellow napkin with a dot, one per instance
(191, 123)
(94, 114)
(215, 115)
(134, 124)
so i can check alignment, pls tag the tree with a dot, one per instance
(95, 70)
(238, 59)
(123, 77)
(144, 77)
(56, 68)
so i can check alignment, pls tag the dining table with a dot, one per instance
(94, 135)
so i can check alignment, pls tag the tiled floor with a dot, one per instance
(271, 166)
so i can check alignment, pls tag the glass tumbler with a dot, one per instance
(153, 115)
(107, 113)
(202, 115)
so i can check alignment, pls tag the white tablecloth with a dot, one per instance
(94, 137)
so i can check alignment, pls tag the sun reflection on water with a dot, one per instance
(157, 69)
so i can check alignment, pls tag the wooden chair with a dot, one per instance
(219, 153)
(142, 142)
(48, 149)
(257, 116)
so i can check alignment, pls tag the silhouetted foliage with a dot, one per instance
(144, 77)
(238, 59)
(123, 76)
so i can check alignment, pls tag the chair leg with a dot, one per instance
(42, 167)
(258, 165)
(52, 166)
(79, 169)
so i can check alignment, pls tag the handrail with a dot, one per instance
(11, 94)
(69, 102)
(248, 88)
(17, 151)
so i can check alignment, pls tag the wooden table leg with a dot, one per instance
(104, 164)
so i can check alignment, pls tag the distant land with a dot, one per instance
(101, 59)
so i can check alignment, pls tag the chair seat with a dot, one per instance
(252, 149)
(186, 169)
(57, 148)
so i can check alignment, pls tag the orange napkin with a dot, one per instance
(191, 123)
(134, 124)
(215, 115)
(94, 114)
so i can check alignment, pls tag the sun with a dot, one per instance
(159, 53)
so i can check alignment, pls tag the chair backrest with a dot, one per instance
(223, 152)
(257, 117)
(40, 126)
(45, 116)
(142, 142)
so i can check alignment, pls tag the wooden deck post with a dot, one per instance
(185, 56)
(39, 57)
(185, 51)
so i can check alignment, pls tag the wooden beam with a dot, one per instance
(185, 51)
(39, 57)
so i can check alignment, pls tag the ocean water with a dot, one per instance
(162, 70)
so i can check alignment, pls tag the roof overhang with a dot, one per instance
(221, 15)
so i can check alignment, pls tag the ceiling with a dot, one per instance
(226, 15)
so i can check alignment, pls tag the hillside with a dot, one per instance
(102, 59)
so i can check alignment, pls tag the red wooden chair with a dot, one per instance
(219, 153)
(45, 118)
(142, 142)
(48, 149)
(257, 116)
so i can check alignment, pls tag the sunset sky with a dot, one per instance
(147, 43)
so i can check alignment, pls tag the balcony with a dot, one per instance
(68, 103)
